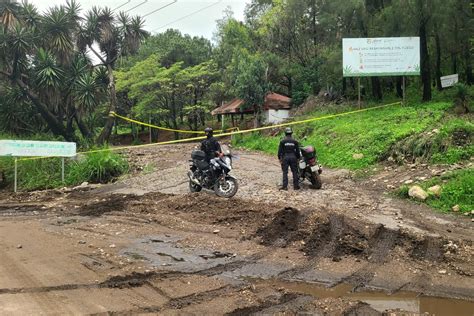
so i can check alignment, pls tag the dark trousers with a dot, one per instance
(292, 162)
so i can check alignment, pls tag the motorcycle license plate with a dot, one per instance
(314, 168)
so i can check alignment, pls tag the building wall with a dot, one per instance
(276, 116)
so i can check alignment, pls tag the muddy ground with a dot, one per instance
(146, 245)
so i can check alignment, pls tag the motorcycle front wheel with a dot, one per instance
(193, 187)
(226, 188)
(315, 179)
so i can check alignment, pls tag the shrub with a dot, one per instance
(461, 98)
(97, 167)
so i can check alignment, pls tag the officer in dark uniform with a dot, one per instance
(210, 146)
(288, 154)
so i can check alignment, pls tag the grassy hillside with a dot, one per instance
(379, 133)
(457, 188)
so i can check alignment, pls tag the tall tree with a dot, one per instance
(251, 83)
(115, 36)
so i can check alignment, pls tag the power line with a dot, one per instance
(187, 16)
(127, 2)
(137, 6)
(160, 8)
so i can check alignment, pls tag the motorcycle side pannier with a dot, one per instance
(198, 155)
(308, 152)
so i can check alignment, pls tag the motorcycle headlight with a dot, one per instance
(228, 162)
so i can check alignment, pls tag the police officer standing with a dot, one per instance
(210, 146)
(288, 154)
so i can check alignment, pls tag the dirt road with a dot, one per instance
(145, 245)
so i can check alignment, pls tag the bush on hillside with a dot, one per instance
(453, 142)
(99, 167)
(461, 99)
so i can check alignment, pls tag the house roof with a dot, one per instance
(233, 107)
(273, 101)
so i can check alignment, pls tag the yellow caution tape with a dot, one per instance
(164, 128)
(307, 120)
(185, 140)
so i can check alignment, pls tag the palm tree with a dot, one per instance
(108, 37)
(45, 57)
(9, 13)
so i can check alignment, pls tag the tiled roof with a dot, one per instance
(273, 101)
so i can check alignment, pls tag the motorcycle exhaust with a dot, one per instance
(193, 178)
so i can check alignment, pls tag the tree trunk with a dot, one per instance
(54, 124)
(425, 62)
(258, 117)
(399, 88)
(468, 61)
(315, 21)
(376, 88)
(109, 124)
(83, 127)
(454, 63)
(438, 59)
(174, 114)
(454, 58)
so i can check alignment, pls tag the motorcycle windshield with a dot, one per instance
(226, 150)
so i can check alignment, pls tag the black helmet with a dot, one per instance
(288, 131)
(208, 131)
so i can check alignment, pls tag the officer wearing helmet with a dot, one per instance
(289, 154)
(210, 146)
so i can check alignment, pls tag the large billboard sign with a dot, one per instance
(384, 56)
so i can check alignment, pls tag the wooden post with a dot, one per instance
(149, 127)
(358, 99)
(403, 88)
(16, 175)
(62, 169)
(222, 121)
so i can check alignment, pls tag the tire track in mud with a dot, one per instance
(326, 234)
(177, 303)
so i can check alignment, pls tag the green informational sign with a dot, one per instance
(383, 56)
(28, 148)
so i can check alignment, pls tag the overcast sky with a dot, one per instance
(201, 23)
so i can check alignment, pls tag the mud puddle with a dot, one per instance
(380, 301)
(163, 251)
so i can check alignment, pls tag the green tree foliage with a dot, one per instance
(304, 37)
(251, 83)
(171, 47)
(168, 95)
(292, 47)
(44, 57)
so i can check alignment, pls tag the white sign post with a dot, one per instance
(27, 148)
(383, 56)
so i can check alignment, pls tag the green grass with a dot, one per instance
(451, 141)
(370, 133)
(101, 167)
(457, 189)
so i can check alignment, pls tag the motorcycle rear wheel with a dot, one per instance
(227, 189)
(315, 179)
(193, 187)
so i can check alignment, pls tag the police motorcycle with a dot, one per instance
(213, 175)
(308, 167)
